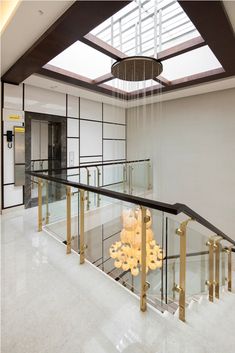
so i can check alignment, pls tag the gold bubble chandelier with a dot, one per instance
(127, 251)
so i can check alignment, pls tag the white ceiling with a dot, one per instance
(31, 19)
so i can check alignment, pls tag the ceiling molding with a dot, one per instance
(74, 24)
(211, 20)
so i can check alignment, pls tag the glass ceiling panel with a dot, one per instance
(190, 63)
(83, 60)
(132, 86)
(146, 27)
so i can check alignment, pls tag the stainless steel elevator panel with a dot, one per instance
(19, 155)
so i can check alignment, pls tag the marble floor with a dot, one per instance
(51, 304)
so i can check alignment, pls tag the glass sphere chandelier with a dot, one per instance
(127, 251)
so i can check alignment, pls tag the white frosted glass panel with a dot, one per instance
(13, 96)
(44, 101)
(132, 86)
(114, 114)
(88, 160)
(91, 138)
(8, 162)
(114, 131)
(114, 150)
(13, 195)
(72, 152)
(90, 109)
(84, 60)
(72, 127)
(72, 106)
(191, 63)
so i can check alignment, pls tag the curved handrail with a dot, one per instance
(161, 206)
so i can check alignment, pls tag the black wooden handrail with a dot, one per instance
(92, 165)
(157, 205)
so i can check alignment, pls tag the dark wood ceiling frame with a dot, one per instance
(73, 25)
(181, 48)
(184, 82)
(211, 20)
(77, 80)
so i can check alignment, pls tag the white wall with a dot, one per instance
(192, 144)
(96, 131)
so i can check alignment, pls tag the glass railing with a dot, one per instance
(168, 255)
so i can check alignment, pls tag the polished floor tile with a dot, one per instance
(51, 304)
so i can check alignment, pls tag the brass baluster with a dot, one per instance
(81, 243)
(210, 281)
(144, 286)
(181, 231)
(68, 200)
(40, 186)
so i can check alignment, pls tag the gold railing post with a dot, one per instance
(217, 248)
(81, 243)
(210, 282)
(47, 201)
(98, 185)
(68, 200)
(40, 185)
(181, 231)
(230, 269)
(144, 286)
(124, 176)
(149, 187)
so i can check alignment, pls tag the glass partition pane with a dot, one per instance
(56, 208)
(113, 244)
(140, 178)
(197, 262)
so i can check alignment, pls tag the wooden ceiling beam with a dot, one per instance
(73, 25)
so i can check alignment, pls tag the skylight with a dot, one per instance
(82, 59)
(132, 86)
(190, 63)
(145, 27)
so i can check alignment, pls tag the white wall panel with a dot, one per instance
(72, 106)
(44, 101)
(13, 96)
(8, 125)
(13, 195)
(8, 162)
(72, 127)
(72, 152)
(91, 138)
(114, 114)
(90, 109)
(114, 131)
(114, 150)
